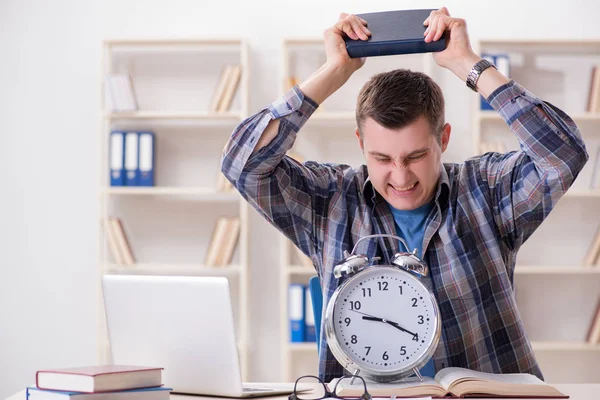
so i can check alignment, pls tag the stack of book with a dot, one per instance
(101, 382)
(118, 93)
(223, 242)
(118, 242)
(226, 88)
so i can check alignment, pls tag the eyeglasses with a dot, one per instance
(320, 391)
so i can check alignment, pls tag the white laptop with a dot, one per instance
(183, 324)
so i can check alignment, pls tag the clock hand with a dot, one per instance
(387, 321)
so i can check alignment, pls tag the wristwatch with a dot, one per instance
(476, 71)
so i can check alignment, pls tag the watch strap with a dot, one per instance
(475, 73)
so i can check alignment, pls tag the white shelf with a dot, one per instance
(231, 116)
(173, 269)
(564, 346)
(208, 194)
(301, 347)
(173, 42)
(299, 270)
(581, 116)
(556, 270)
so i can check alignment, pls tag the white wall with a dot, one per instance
(49, 102)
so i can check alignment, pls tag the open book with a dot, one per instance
(455, 382)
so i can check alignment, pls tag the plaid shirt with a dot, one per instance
(485, 209)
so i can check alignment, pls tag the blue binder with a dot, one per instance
(117, 158)
(296, 312)
(131, 158)
(310, 334)
(146, 159)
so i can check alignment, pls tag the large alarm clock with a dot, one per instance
(382, 322)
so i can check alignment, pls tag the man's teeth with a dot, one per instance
(404, 188)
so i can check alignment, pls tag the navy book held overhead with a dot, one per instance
(394, 32)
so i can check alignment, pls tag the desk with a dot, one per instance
(577, 391)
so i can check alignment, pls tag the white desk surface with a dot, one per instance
(576, 391)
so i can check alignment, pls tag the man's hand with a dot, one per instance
(458, 56)
(339, 66)
(335, 48)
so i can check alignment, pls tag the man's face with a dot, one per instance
(404, 164)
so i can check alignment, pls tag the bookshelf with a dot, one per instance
(550, 278)
(170, 225)
(327, 136)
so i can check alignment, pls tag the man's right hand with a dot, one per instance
(335, 48)
(339, 66)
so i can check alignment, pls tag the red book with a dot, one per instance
(99, 378)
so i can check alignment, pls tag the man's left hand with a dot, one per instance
(458, 56)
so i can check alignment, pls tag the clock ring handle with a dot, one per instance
(381, 235)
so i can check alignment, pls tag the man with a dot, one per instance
(467, 220)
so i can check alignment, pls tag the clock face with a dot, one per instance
(385, 320)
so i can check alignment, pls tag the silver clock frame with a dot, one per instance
(404, 265)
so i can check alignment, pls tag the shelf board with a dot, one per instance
(173, 42)
(173, 269)
(580, 116)
(564, 346)
(556, 270)
(299, 270)
(209, 194)
(174, 115)
(537, 346)
(302, 346)
(334, 116)
(542, 46)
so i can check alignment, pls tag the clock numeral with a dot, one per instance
(347, 320)
(354, 339)
(368, 350)
(382, 286)
(400, 289)
(414, 300)
(416, 337)
(385, 356)
(403, 350)
(355, 305)
(421, 321)
(365, 291)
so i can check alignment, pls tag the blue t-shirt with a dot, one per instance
(410, 226)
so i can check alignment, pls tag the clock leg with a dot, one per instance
(418, 374)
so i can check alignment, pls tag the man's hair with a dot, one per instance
(397, 98)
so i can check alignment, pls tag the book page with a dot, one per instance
(406, 387)
(453, 375)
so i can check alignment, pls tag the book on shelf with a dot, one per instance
(593, 103)
(290, 82)
(456, 382)
(595, 182)
(119, 94)
(394, 32)
(593, 334)
(220, 88)
(156, 393)
(592, 256)
(231, 87)
(223, 184)
(303, 259)
(223, 242)
(118, 242)
(132, 158)
(99, 378)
